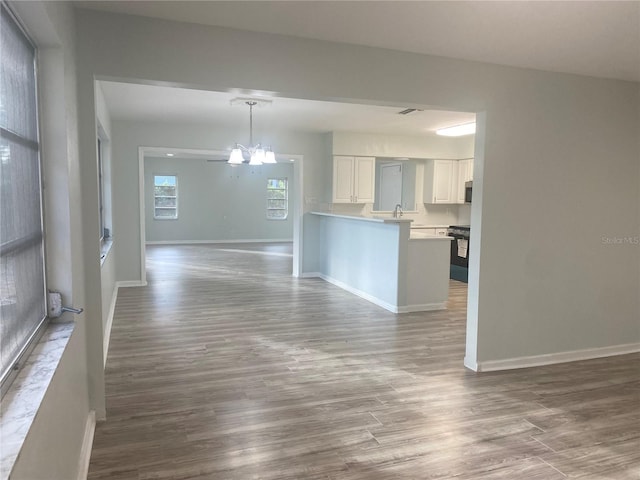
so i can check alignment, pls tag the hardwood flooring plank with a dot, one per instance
(226, 367)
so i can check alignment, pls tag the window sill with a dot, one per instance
(105, 248)
(22, 401)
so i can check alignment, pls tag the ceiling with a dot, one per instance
(156, 104)
(595, 38)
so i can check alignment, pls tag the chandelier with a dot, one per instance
(253, 154)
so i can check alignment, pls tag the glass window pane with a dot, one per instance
(166, 202)
(165, 180)
(166, 212)
(22, 284)
(17, 80)
(165, 191)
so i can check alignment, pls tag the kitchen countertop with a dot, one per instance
(418, 226)
(425, 236)
(366, 219)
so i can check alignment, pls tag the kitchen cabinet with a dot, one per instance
(439, 181)
(353, 179)
(465, 174)
(434, 232)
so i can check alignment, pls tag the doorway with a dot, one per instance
(146, 155)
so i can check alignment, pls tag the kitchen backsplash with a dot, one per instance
(424, 215)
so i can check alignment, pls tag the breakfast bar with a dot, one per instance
(378, 259)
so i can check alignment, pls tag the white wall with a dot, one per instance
(377, 145)
(53, 445)
(555, 157)
(217, 202)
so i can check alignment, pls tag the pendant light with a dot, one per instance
(256, 153)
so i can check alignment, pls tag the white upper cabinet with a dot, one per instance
(465, 174)
(342, 179)
(353, 179)
(440, 181)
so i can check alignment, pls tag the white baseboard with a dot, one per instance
(205, 242)
(426, 307)
(131, 283)
(375, 300)
(471, 364)
(87, 444)
(551, 358)
(107, 329)
(311, 275)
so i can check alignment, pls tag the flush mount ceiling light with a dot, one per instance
(458, 130)
(253, 154)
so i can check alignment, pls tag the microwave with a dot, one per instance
(468, 188)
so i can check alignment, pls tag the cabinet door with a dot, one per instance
(443, 174)
(470, 170)
(463, 177)
(342, 179)
(364, 179)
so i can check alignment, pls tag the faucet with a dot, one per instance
(397, 212)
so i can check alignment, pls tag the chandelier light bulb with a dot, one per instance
(270, 157)
(236, 157)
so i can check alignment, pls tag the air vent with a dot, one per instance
(407, 111)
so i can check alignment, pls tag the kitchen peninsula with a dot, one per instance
(379, 260)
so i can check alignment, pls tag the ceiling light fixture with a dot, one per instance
(458, 130)
(256, 154)
(170, 154)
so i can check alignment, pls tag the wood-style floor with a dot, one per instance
(226, 367)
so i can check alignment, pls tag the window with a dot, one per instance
(165, 197)
(277, 199)
(101, 190)
(22, 280)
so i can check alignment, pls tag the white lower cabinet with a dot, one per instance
(353, 179)
(436, 232)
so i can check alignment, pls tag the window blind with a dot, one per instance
(22, 284)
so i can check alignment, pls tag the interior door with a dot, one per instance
(390, 186)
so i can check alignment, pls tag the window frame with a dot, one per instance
(30, 340)
(286, 199)
(155, 216)
(102, 213)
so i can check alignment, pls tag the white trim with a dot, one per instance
(552, 358)
(107, 329)
(311, 275)
(375, 300)
(298, 199)
(425, 307)
(130, 283)
(143, 252)
(205, 242)
(87, 443)
(471, 364)
(298, 214)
